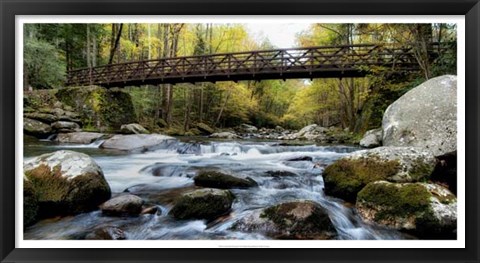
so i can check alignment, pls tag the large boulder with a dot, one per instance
(99, 108)
(67, 182)
(247, 128)
(36, 128)
(30, 203)
(206, 204)
(133, 128)
(310, 132)
(43, 117)
(220, 180)
(427, 210)
(65, 126)
(372, 138)
(290, 220)
(135, 142)
(426, 117)
(123, 205)
(348, 175)
(79, 137)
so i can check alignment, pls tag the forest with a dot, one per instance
(50, 50)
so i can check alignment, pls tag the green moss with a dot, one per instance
(444, 198)
(174, 131)
(405, 200)
(346, 177)
(59, 196)
(202, 127)
(105, 109)
(49, 183)
(40, 99)
(420, 170)
(30, 203)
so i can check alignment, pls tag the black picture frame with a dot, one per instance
(10, 8)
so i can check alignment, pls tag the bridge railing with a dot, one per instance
(279, 61)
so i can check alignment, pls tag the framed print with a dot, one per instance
(200, 131)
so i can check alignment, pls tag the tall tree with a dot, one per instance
(114, 43)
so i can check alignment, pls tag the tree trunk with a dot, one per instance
(149, 43)
(166, 29)
(200, 113)
(95, 51)
(25, 77)
(188, 106)
(89, 60)
(115, 45)
(222, 108)
(422, 39)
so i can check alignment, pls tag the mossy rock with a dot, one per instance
(426, 210)
(67, 182)
(36, 128)
(347, 176)
(193, 132)
(220, 180)
(291, 220)
(133, 128)
(105, 109)
(203, 204)
(40, 98)
(42, 117)
(204, 128)
(30, 203)
(174, 131)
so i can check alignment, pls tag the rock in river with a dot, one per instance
(65, 126)
(36, 128)
(348, 175)
(67, 182)
(133, 128)
(134, 142)
(79, 137)
(206, 204)
(246, 128)
(43, 117)
(427, 210)
(225, 135)
(123, 205)
(310, 132)
(290, 220)
(426, 117)
(372, 138)
(220, 180)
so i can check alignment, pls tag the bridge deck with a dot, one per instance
(308, 62)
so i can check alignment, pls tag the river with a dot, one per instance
(158, 176)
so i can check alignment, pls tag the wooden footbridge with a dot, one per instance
(307, 62)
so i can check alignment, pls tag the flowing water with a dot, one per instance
(159, 176)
